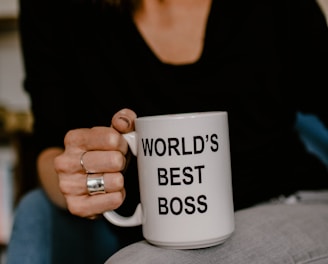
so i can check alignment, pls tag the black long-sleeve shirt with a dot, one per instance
(263, 61)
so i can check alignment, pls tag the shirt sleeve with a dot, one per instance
(308, 55)
(51, 76)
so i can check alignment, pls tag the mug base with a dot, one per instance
(190, 245)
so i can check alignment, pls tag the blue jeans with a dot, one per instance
(43, 233)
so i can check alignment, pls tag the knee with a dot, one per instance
(264, 234)
(34, 204)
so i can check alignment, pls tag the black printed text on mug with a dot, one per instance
(170, 146)
(175, 176)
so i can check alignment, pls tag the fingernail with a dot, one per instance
(126, 120)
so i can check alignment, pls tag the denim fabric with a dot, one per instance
(314, 135)
(44, 234)
(30, 240)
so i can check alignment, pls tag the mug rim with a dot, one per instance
(184, 115)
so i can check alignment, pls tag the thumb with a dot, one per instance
(123, 120)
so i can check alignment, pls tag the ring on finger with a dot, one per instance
(95, 185)
(82, 163)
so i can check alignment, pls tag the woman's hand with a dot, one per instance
(95, 152)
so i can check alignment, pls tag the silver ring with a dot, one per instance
(82, 163)
(95, 185)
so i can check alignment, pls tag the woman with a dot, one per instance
(93, 66)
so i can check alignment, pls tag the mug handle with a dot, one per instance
(136, 218)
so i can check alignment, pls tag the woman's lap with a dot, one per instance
(31, 231)
(269, 233)
(43, 233)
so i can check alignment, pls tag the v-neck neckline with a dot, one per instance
(153, 55)
(224, 20)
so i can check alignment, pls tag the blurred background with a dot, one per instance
(15, 118)
(17, 172)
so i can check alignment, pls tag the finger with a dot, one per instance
(96, 138)
(102, 161)
(123, 120)
(114, 182)
(92, 205)
(77, 184)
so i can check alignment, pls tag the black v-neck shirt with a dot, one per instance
(262, 62)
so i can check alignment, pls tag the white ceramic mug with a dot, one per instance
(185, 180)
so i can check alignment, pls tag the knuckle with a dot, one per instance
(58, 163)
(64, 187)
(116, 161)
(75, 137)
(117, 199)
(70, 137)
(77, 208)
(119, 181)
(61, 164)
(112, 138)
